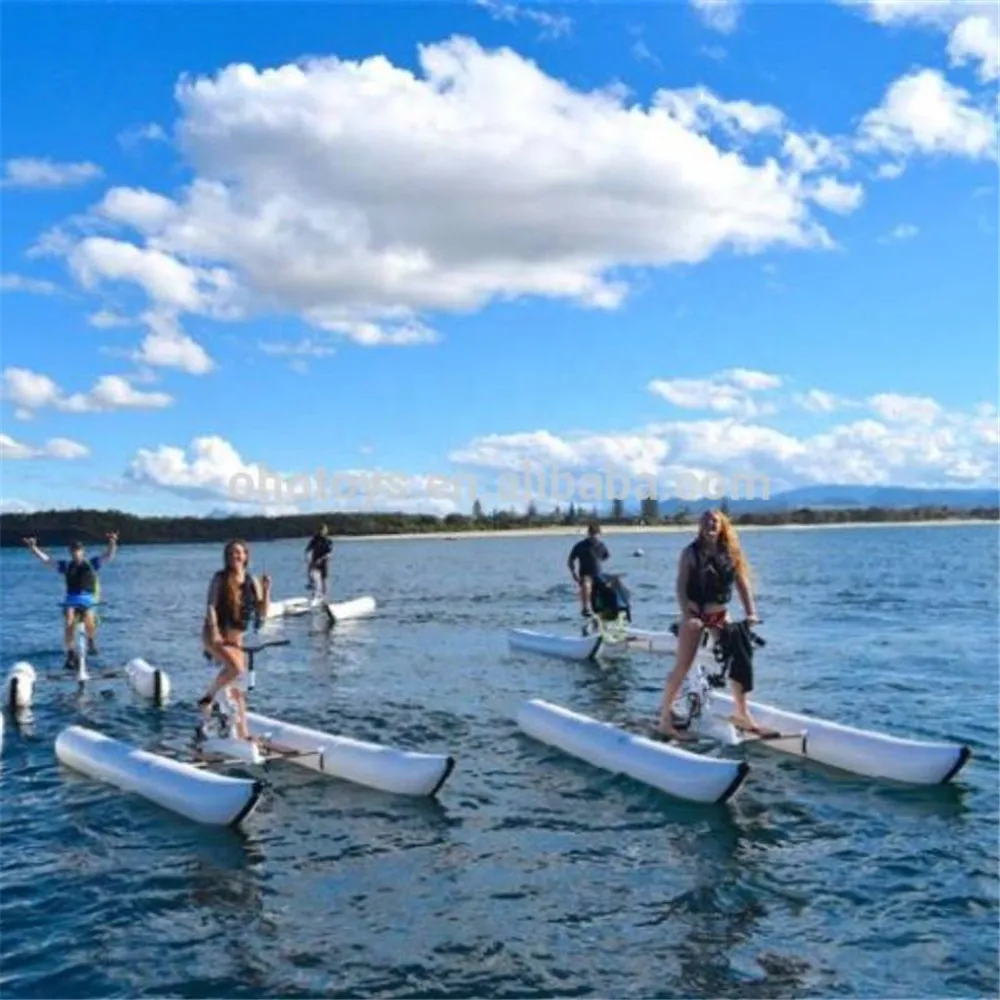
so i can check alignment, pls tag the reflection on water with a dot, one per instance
(533, 874)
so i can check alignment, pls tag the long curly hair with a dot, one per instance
(729, 541)
(232, 588)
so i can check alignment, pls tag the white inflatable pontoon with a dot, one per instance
(388, 769)
(678, 772)
(197, 793)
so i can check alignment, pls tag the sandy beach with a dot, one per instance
(659, 529)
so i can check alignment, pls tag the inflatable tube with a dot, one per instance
(147, 680)
(289, 608)
(404, 772)
(859, 751)
(565, 646)
(359, 607)
(680, 773)
(650, 642)
(19, 687)
(200, 795)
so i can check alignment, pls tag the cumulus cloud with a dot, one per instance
(58, 448)
(898, 440)
(41, 172)
(212, 469)
(729, 391)
(166, 345)
(898, 234)
(923, 113)
(972, 27)
(835, 196)
(361, 196)
(29, 391)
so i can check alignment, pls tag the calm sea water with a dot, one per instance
(534, 875)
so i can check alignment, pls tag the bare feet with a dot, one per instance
(667, 731)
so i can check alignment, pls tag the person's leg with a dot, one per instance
(231, 659)
(586, 587)
(69, 617)
(90, 624)
(688, 637)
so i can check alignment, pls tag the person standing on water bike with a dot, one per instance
(318, 559)
(235, 601)
(83, 588)
(708, 570)
(588, 554)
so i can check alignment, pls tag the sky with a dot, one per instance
(279, 257)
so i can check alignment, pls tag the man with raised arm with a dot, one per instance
(83, 588)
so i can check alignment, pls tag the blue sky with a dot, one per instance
(681, 239)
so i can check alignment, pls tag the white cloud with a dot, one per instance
(821, 401)
(973, 26)
(215, 470)
(11, 505)
(977, 38)
(106, 319)
(30, 391)
(813, 151)
(698, 109)
(837, 197)
(895, 408)
(889, 171)
(360, 196)
(923, 113)
(150, 132)
(720, 15)
(918, 444)
(552, 25)
(166, 345)
(33, 286)
(305, 347)
(35, 172)
(57, 448)
(727, 392)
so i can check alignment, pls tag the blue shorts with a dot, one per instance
(79, 601)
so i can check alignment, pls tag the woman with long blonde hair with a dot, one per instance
(235, 599)
(708, 571)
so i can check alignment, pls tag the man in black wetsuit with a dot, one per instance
(588, 553)
(318, 557)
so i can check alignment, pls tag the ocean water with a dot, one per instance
(533, 874)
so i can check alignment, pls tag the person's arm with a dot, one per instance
(109, 552)
(262, 589)
(33, 548)
(683, 569)
(211, 616)
(605, 554)
(746, 596)
(569, 562)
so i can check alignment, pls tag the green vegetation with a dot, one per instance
(59, 527)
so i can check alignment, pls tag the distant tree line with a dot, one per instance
(60, 527)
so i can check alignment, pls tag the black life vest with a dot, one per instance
(80, 578)
(247, 609)
(711, 578)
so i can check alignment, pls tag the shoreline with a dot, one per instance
(654, 529)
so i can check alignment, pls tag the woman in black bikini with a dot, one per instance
(709, 568)
(235, 598)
